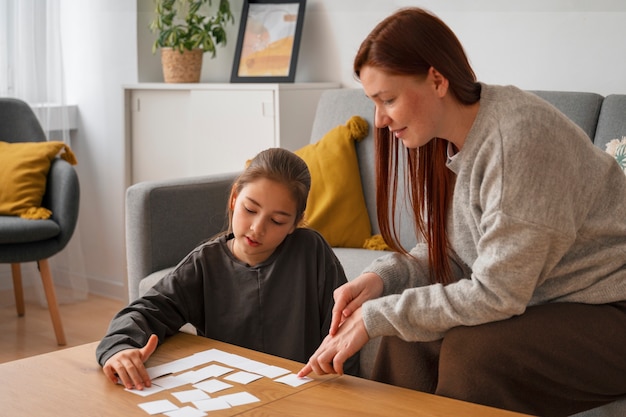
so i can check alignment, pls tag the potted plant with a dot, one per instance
(187, 29)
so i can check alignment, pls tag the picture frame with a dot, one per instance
(268, 41)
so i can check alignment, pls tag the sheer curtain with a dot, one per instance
(31, 69)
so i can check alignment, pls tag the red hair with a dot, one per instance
(410, 42)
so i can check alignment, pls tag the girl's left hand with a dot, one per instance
(336, 349)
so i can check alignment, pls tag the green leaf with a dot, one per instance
(620, 156)
(189, 24)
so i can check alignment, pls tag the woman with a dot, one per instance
(266, 284)
(515, 296)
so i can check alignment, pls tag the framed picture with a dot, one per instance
(268, 41)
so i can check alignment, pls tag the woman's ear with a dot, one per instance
(440, 82)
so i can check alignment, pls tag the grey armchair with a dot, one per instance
(165, 220)
(24, 240)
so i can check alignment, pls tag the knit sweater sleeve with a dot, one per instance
(162, 311)
(492, 291)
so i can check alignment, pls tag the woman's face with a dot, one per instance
(410, 107)
(264, 213)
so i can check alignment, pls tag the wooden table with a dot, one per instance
(69, 382)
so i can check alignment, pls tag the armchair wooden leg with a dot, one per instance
(16, 272)
(53, 307)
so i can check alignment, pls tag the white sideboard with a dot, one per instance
(181, 130)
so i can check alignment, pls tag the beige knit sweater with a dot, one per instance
(538, 216)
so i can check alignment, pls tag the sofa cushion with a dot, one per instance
(582, 108)
(336, 206)
(354, 261)
(18, 230)
(612, 120)
(149, 281)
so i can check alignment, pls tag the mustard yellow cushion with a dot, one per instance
(24, 169)
(336, 206)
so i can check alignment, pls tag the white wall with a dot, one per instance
(100, 55)
(535, 44)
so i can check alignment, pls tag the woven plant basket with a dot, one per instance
(182, 67)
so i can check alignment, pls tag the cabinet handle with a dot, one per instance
(268, 109)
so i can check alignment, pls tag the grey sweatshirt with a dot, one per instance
(538, 216)
(281, 306)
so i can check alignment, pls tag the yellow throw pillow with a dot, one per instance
(336, 206)
(24, 170)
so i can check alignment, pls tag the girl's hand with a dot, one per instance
(128, 365)
(336, 349)
(350, 296)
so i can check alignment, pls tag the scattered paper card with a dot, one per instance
(186, 411)
(158, 407)
(243, 377)
(169, 382)
(213, 370)
(293, 380)
(272, 371)
(212, 404)
(239, 398)
(172, 367)
(212, 385)
(146, 390)
(216, 355)
(191, 395)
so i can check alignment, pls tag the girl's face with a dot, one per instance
(410, 107)
(264, 213)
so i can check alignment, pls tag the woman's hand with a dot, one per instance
(336, 349)
(128, 365)
(351, 296)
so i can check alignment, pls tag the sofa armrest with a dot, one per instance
(166, 219)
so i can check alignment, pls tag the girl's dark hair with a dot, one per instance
(278, 165)
(410, 42)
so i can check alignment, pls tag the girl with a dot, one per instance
(515, 298)
(265, 285)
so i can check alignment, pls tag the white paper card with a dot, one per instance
(191, 395)
(172, 367)
(190, 377)
(249, 365)
(243, 377)
(293, 380)
(213, 370)
(211, 404)
(239, 398)
(169, 382)
(216, 355)
(186, 411)
(158, 407)
(272, 371)
(212, 385)
(146, 390)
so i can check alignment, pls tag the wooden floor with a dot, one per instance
(32, 334)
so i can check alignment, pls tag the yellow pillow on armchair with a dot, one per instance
(24, 170)
(336, 206)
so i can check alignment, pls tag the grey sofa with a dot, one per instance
(166, 219)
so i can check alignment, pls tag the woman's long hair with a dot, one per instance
(410, 42)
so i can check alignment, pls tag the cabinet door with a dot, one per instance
(228, 127)
(159, 129)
